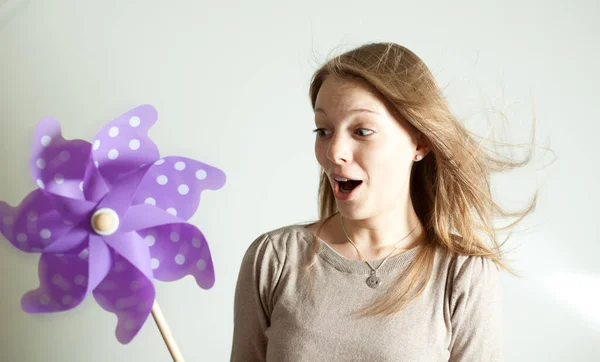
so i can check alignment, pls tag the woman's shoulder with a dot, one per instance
(462, 273)
(458, 263)
(469, 271)
(285, 240)
(288, 231)
(469, 274)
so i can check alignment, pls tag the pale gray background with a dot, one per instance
(230, 82)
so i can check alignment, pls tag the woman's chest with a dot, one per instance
(323, 326)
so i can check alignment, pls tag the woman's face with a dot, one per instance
(357, 137)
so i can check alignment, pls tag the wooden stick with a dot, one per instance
(166, 333)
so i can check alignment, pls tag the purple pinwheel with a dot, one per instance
(110, 217)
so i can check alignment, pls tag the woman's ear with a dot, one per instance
(422, 145)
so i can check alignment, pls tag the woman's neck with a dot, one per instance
(382, 233)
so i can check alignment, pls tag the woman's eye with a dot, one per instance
(320, 132)
(364, 129)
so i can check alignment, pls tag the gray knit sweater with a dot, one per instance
(276, 318)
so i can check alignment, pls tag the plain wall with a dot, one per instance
(230, 82)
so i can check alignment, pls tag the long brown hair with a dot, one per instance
(450, 187)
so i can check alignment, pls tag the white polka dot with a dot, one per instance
(180, 259)
(59, 178)
(129, 325)
(180, 166)
(134, 121)
(8, 220)
(183, 189)
(21, 237)
(150, 201)
(64, 156)
(44, 299)
(40, 183)
(79, 279)
(135, 285)
(96, 164)
(142, 307)
(160, 162)
(174, 236)
(126, 303)
(150, 240)
(162, 180)
(57, 279)
(134, 144)
(113, 154)
(32, 216)
(81, 186)
(113, 132)
(46, 141)
(45, 234)
(107, 285)
(200, 174)
(201, 264)
(154, 263)
(96, 145)
(67, 299)
(101, 299)
(41, 164)
(119, 267)
(172, 211)
(196, 242)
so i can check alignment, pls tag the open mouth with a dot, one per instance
(349, 185)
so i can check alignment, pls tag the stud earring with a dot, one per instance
(419, 157)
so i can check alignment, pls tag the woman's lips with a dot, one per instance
(345, 196)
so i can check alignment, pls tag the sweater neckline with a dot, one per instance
(342, 263)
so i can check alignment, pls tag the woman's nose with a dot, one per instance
(338, 150)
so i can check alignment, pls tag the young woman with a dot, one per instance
(396, 268)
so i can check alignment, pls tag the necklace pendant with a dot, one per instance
(373, 281)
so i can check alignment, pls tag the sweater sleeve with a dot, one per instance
(253, 303)
(476, 307)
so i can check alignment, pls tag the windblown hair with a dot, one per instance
(450, 187)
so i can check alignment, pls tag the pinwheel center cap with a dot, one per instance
(105, 221)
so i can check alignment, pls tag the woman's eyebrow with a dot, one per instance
(318, 109)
